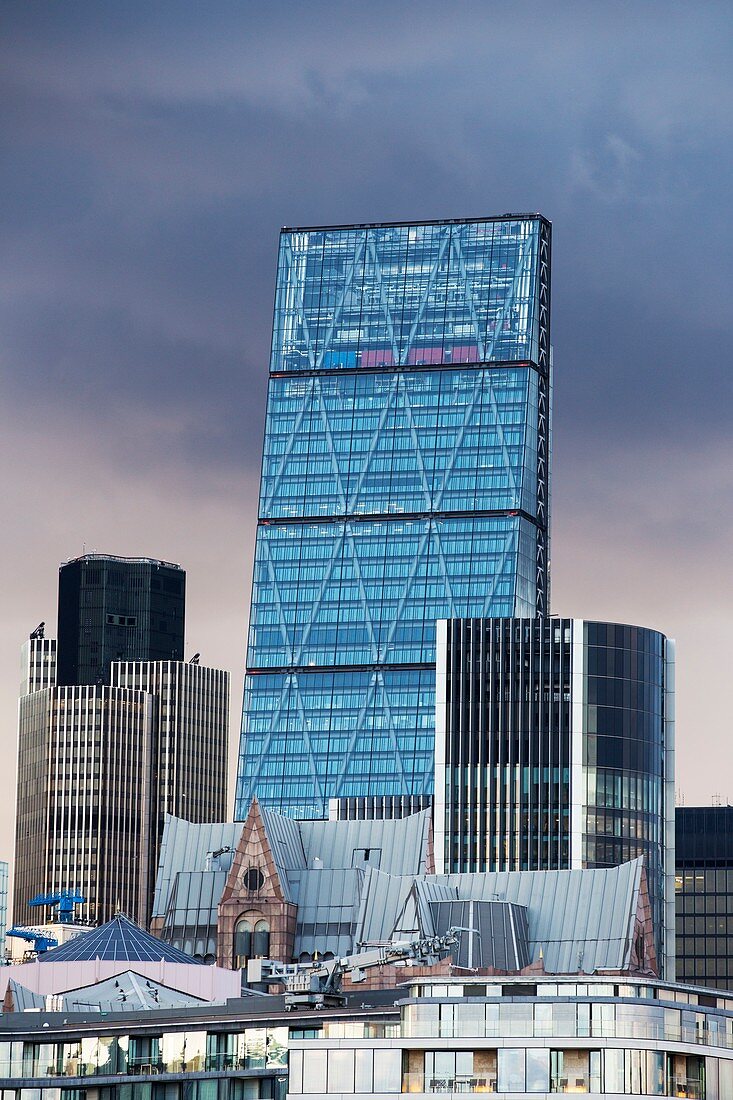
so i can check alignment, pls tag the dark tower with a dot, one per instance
(117, 609)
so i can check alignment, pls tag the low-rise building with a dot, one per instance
(294, 890)
(519, 1038)
(104, 954)
(506, 1036)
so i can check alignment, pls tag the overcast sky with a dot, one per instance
(153, 151)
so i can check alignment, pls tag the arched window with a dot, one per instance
(242, 942)
(261, 940)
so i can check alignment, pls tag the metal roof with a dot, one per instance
(24, 1000)
(578, 920)
(126, 992)
(118, 939)
(286, 845)
(185, 846)
(397, 846)
(192, 913)
(328, 903)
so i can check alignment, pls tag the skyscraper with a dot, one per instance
(117, 609)
(405, 478)
(83, 799)
(3, 899)
(100, 764)
(704, 895)
(555, 749)
(190, 743)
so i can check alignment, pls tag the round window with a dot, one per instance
(253, 879)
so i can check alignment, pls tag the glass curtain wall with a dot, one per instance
(405, 479)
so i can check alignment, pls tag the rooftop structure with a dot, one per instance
(112, 950)
(117, 609)
(117, 940)
(294, 890)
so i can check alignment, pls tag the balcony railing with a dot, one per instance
(690, 1088)
(686, 1087)
(420, 1082)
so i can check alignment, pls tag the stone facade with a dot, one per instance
(253, 892)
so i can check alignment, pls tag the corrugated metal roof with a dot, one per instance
(286, 846)
(578, 920)
(582, 919)
(383, 899)
(328, 901)
(192, 915)
(185, 846)
(24, 1000)
(397, 846)
(125, 992)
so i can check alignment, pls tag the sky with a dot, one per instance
(153, 151)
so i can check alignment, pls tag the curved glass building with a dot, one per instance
(555, 748)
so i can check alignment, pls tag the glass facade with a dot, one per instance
(505, 766)
(704, 895)
(624, 751)
(598, 1037)
(553, 748)
(405, 478)
(117, 609)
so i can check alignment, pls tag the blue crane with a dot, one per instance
(41, 942)
(63, 901)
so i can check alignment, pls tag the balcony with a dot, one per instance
(461, 1083)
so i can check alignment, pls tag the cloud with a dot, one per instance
(644, 538)
(74, 496)
(154, 151)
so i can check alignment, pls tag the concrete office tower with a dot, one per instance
(99, 767)
(37, 662)
(190, 745)
(3, 900)
(405, 478)
(117, 609)
(84, 799)
(704, 895)
(555, 748)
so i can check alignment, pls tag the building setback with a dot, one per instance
(704, 895)
(99, 767)
(117, 609)
(405, 478)
(555, 748)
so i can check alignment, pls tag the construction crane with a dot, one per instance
(37, 936)
(63, 901)
(317, 984)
